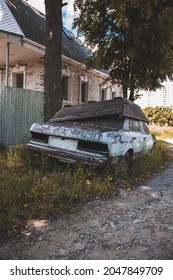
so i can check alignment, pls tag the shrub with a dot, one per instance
(161, 116)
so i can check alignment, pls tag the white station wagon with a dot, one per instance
(95, 133)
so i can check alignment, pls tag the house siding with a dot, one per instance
(7, 21)
(16, 14)
(35, 75)
(94, 82)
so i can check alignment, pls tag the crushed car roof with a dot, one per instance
(117, 107)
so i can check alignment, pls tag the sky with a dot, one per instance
(68, 11)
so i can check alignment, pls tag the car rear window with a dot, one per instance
(145, 128)
(107, 122)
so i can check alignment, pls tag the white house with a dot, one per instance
(22, 49)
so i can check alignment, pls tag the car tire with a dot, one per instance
(125, 161)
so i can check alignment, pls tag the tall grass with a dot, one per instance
(151, 162)
(36, 187)
(162, 131)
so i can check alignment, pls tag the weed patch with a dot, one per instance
(151, 162)
(38, 187)
(161, 131)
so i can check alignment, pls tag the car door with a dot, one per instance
(148, 140)
(136, 135)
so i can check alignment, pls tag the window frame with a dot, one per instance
(69, 75)
(68, 95)
(84, 86)
(143, 128)
(103, 94)
(18, 70)
(84, 81)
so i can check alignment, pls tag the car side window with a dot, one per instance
(126, 124)
(131, 125)
(145, 128)
(134, 125)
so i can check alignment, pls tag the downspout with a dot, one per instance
(79, 90)
(7, 62)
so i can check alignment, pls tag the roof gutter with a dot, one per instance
(32, 45)
(83, 66)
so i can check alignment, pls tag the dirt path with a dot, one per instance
(136, 224)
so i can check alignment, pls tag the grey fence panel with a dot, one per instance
(19, 109)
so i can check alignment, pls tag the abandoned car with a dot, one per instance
(94, 133)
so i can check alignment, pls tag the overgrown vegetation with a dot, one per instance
(161, 121)
(39, 187)
(161, 132)
(160, 116)
(132, 39)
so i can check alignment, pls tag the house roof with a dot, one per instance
(7, 20)
(32, 23)
(116, 107)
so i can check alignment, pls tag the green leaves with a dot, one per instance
(133, 39)
(162, 116)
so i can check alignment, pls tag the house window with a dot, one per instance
(67, 77)
(18, 80)
(103, 91)
(66, 88)
(103, 94)
(84, 92)
(113, 94)
(18, 76)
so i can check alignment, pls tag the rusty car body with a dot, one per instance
(94, 133)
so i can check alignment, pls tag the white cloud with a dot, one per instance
(68, 11)
(68, 14)
(39, 5)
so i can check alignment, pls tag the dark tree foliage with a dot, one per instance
(53, 64)
(133, 40)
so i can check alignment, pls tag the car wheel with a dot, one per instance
(153, 148)
(125, 161)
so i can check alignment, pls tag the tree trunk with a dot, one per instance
(132, 87)
(125, 90)
(131, 96)
(53, 64)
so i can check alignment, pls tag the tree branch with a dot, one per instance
(64, 4)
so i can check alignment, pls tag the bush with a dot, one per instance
(161, 116)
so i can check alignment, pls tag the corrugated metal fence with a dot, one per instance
(19, 108)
